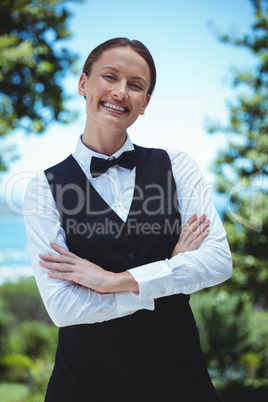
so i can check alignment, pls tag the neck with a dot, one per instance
(103, 141)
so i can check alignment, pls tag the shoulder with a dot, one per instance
(37, 181)
(154, 159)
(149, 151)
(184, 167)
(61, 166)
(37, 192)
(155, 153)
(181, 162)
(176, 156)
(180, 157)
(36, 187)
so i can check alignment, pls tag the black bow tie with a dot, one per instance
(99, 166)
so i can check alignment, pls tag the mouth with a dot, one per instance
(114, 107)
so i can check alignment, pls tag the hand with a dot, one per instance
(193, 233)
(70, 267)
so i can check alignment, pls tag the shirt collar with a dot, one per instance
(84, 154)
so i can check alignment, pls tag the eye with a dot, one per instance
(109, 77)
(136, 86)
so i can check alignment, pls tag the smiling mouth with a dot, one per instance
(114, 107)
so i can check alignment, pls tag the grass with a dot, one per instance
(13, 392)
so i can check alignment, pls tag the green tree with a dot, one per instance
(32, 63)
(224, 323)
(242, 168)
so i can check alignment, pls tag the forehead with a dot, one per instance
(123, 58)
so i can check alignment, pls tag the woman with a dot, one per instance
(120, 293)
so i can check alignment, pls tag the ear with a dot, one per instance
(146, 102)
(81, 84)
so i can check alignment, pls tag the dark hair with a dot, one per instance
(136, 45)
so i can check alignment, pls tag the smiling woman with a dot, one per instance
(116, 92)
(117, 245)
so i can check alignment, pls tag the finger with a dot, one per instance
(55, 266)
(197, 223)
(201, 228)
(195, 233)
(191, 225)
(66, 276)
(62, 251)
(186, 227)
(191, 220)
(197, 241)
(57, 258)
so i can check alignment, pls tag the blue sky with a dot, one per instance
(193, 78)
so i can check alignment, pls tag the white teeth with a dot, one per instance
(115, 107)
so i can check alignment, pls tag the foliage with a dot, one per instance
(6, 320)
(16, 367)
(256, 391)
(39, 377)
(34, 339)
(13, 392)
(23, 301)
(32, 63)
(28, 339)
(233, 336)
(242, 168)
(224, 327)
(258, 343)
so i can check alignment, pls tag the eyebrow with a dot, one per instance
(117, 71)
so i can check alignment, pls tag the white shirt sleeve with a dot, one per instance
(66, 302)
(188, 272)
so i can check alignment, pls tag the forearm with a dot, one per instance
(124, 282)
(194, 232)
(189, 272)
(83, 305)
(185, 273)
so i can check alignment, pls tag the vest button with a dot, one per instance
(130, 256)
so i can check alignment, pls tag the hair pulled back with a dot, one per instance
(136, 45)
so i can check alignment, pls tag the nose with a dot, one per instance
(119, 91)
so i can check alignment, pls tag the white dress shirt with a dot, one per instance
(68, 303)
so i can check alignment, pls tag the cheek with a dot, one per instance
(140, 101)
(101, 86)
(96, 93)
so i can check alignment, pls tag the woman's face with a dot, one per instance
(116, 90)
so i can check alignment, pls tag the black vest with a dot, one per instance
(91, 226)
(124, 357)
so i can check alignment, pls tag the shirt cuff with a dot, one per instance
(155, 280)
(129, 303)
